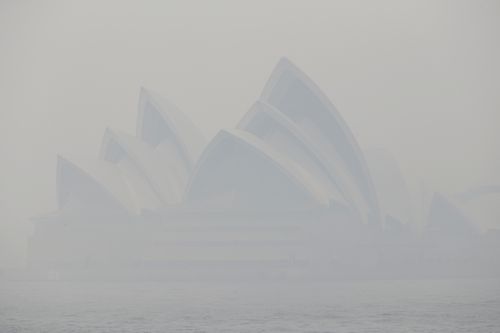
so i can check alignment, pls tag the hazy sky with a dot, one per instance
(420, 79)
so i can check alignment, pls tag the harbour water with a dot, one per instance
(341, 306)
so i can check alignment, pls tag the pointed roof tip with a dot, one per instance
(66, 161)
(144, 93)
(60, 159)
(153, 96)
(256, 107)
(158, 99)
(149, 91)
(284, 63)
(61, 163)
(115, 132)
(284, 59)
(177, 121)
(108, 130)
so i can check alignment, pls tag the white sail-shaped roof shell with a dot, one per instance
(446, 218)
(139, 165)
(293, 93)
(159, 168)
(144, 172)
(98, 190)
(238, 171)
(161, 124)
(280, 133)
(392, 190)
(293, 138)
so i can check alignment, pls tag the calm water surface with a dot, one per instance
(361, 306)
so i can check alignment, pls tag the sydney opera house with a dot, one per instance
(287, 192)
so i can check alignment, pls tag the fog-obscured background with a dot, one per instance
(420, 79)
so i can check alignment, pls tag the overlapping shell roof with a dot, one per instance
(292, 151)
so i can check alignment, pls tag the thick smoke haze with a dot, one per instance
(178, 166)
(419, 79)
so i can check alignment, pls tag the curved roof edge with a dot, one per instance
(445, 215)
(185, 134)
(261, 107)
(285, 65)
(110, 137)
(64, 164)
(294, 172)
(391, 186)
